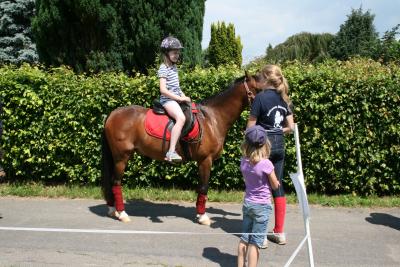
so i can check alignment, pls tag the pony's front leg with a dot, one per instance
(202, 190)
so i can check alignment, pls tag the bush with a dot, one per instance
(348, 114)
(53, 121)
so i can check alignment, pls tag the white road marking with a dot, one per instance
(99, 231)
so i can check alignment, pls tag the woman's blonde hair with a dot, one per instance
(272, 75)
(255, 154)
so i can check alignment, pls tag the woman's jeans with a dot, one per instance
(277, 158)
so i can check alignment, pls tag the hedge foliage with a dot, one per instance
(53, 121)
(348, 116)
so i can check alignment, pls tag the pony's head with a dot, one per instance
(245, 88)
(252, 84)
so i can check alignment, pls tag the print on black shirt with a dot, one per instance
(270, 110)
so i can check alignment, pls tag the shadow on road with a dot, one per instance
(227, 225)
(151, 210)
(223, 259)
(384, 219)
(156, 211)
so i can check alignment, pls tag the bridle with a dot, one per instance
(248, 92)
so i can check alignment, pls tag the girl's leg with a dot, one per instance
(175, 111)
(242, 251)
(253, 254)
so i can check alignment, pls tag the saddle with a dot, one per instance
(158, 124)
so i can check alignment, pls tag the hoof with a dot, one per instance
(124, 217)
(203, 219)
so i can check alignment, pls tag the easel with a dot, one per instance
(298, 181)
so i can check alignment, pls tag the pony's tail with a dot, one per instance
(107, 170)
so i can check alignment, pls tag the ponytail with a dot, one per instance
(272, 75)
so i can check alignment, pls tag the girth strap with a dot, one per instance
(169, 125)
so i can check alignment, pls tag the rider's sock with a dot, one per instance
(280, 212)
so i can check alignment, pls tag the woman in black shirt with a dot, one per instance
(272, 109)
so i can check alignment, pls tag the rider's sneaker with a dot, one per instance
(278, 238)
(173, 156)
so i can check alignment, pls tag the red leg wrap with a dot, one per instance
(119, 201)
(201, 203)
(280, 212)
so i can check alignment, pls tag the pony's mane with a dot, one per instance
(211, 99)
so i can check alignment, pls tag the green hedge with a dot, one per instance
(53, 121)
(348, 115)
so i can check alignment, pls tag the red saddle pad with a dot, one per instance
(155, 125)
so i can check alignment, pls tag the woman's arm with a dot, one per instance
(289, 125)
(273, 181)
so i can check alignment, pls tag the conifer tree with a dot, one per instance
(357, 36)
(16, 45)
(224, 47)
(81, 34)
(115, 35)
(184, 20)
(389, 46)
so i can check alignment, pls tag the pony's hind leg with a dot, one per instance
(118, 210)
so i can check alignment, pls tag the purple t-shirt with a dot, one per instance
(258, 189)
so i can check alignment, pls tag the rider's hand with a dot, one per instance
(185, 99)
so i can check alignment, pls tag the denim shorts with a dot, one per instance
(165, 100)
(255, 221)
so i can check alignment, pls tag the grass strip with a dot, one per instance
(173, 194)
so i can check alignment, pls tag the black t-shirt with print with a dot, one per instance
(270, 110)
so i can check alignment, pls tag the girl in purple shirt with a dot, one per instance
(259, 177)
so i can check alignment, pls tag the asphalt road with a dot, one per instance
(63, 232)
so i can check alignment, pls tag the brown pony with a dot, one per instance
(124, 134)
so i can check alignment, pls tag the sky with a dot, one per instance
(260, 22)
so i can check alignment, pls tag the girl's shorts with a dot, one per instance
(255, 222)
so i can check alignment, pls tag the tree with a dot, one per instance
(184, 20)
(357, 36)
(306, 47)
(79, 33)
(224, 46)
(389, 47)
(16, 45)
(115, 35)
(146, 23)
